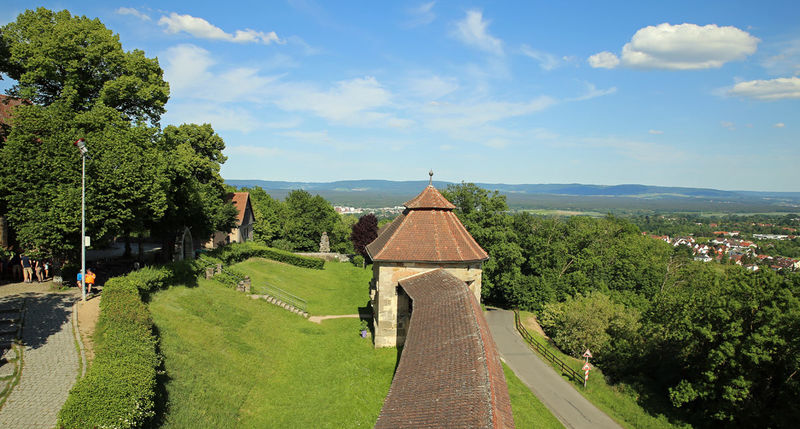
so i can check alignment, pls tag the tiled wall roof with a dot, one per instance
(449, 374)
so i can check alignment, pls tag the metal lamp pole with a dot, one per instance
(81, 144)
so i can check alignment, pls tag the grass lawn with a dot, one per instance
(529, 412)
(338, 289)
(619, 401)
(234, 361)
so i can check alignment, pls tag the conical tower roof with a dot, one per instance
(427, 231)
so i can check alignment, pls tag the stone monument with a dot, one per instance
(324, 243)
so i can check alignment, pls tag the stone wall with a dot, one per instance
(391, 305)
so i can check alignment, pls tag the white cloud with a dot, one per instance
(133, 12)
(422, 14)
(768, 90)
(257, 151)
(546, 61)
(681, 47)
(603, 60)
(464, 118)
(593, 92)
(202, 29)
(346, 101)
(727, 124)
(221, 117)
(472, 31)
(787, 61)
(656, 132)
(779, 125)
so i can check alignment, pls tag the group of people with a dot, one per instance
(20, 266)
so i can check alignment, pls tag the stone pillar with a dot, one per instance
(246, 284)
(218, 269)
(209, 272)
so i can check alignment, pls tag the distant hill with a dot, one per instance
(571, 196)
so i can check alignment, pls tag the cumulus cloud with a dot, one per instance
(546, 60)
(768, 90)
(472, 31)
(603, 60)
(681, 47)
(202, 29)
(779, 125)
(133, 12)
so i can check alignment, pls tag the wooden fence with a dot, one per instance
(542, 349)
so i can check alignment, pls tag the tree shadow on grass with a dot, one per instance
(161, 398)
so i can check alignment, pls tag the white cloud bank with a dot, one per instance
(768, 90)
(680, 47)
(472, 31)
(202, 29)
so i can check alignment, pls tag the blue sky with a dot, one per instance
(679, 93)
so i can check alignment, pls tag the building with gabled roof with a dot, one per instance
(426, 236)
(245, 220)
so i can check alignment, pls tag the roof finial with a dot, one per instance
(430, 181)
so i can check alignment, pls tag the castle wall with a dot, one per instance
(391, 305)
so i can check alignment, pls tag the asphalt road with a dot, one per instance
(569, 406)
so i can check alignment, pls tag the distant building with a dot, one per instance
(245, 219)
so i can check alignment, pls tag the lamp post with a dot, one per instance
(81, 145)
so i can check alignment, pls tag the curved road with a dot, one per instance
(569, 406)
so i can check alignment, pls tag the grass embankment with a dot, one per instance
(529, 412)
(338, 289)
(233, 361)
(619, 401)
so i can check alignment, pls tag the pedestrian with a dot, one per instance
(38, 266)
(27, 269)
(16, 268)
(80, 280)
(46, 268)
(90, 277)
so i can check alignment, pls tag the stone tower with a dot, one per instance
(425, 237)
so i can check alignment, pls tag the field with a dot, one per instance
(234, 361)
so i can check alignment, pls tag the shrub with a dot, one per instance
(234, 253)
(119, 388)
(283, 245)
(358, 261)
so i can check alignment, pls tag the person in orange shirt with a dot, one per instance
(90, 277)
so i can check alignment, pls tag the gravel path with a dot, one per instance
(50, 360)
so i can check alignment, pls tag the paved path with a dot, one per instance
(50, 360)
(569, 406)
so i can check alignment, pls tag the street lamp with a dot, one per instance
(81, 145)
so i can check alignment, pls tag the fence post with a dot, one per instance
(218, 269)
(246, 284)
(209, 272)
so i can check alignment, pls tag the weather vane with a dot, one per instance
(430, 181)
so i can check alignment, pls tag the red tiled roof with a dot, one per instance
(449, 374)
(239, 200)
(428, 231)
(429, 198)
(7, 104)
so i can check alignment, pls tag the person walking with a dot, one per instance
(38, 268)
(27, 269)
(90, 277)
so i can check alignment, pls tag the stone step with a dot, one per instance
(9, 328)
(10, 317)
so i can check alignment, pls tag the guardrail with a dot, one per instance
(286, 297)
(542, 349)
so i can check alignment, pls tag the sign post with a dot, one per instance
(586, 368)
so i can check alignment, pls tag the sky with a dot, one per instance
(679, 93)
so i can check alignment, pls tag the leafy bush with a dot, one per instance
(358, 261)
(240, 252)
(283, 245)
(119, 388)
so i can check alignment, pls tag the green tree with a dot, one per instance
(484, 215)
(76, 61)
(269, 213)
(307, 218)
(196, 195)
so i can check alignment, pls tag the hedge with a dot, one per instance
(119, 388)
(234, 253)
